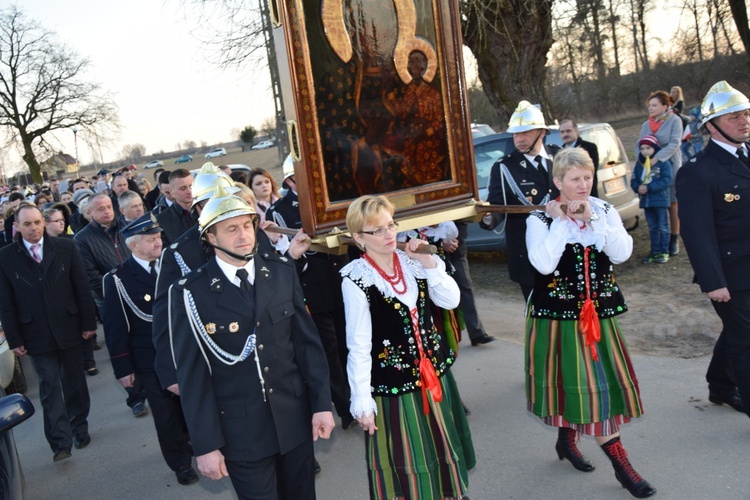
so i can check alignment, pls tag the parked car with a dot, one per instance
(215, 153)
(14, 409)
(153, 164)
(184, 159)
(480, 130)
(613, 175)
(262, 145)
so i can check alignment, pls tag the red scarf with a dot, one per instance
(656, 123)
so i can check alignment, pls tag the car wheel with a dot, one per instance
(18, 384)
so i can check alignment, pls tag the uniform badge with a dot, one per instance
(730, 197)
(283, 259)
(234, 327)
(534, 191)
(182, 282)
(147, 298)
(211, 328)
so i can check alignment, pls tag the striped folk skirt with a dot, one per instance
(567, 388)
(416, 456)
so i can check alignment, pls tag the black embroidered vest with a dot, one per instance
(395, 355)
(560, 295)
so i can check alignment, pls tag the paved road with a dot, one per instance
(687, 447)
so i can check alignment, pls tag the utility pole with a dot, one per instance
(273, 68)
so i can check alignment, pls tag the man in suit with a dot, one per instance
(153, 195)
(128, 298)
(713, 191)
(572, 139)
(46, 309)
(178, 218)
(524, 177)
(250, 365)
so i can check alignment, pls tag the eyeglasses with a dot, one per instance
(393, 227)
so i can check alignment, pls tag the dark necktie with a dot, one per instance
(152, 266)
(540, 165)
(243, 275)
(742, 154)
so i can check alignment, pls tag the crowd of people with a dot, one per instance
(241, 341)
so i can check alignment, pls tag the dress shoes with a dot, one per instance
(484, 339)
(61, 455)
(82, 441)
(317, 466)
(140, 410)
(731, 398)
(186, 475)
(92, 371)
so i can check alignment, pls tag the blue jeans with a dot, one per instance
(658, 229)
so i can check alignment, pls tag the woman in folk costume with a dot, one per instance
(417, 440)
(579, 374)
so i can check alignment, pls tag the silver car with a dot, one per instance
(613, 175)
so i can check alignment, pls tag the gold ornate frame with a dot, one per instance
(321, 51)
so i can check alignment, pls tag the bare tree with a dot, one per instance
(43, 89)
(133, 153)
(614, 19)
(510, 40)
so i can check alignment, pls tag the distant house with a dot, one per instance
(60, 164)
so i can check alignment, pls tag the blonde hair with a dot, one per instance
(246, 193)
(679, 92)
(570, 158)
(366, 209)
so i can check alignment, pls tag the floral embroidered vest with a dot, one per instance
(395, 356)
(560, 295)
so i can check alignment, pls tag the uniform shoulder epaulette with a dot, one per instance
(189, 278)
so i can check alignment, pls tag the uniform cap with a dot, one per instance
(222, 206)
(145, 224)
(722, 99)
(526, 117)
(208, 178)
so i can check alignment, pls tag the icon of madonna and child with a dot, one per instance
(379, 105)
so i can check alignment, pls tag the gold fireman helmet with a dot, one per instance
(208, 178)
(722, 99)
(221, 206)
(526, 117)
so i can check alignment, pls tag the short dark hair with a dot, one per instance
(240, 176)
(164, 177)
(16, 196)
(157, 172)
(180, 173)
(26, 205)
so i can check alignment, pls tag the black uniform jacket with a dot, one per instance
(45, 307)
(128, 336)
(224, 404)
(713, 190)
(534, 186)
(174, 222)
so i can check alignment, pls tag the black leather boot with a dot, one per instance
(566, 448)
(624, 471)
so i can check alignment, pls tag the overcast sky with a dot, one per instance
(164, 85)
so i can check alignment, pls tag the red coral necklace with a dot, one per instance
(397, 279)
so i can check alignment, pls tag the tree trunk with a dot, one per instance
(30, 158)
(642, 23)
(613, 18)
(634, 30)
(510, 40)
(696, 19)
(739, 12)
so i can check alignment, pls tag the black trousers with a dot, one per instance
(64, 395)
(332, 329)
(279, 477)
(168, 420)
(730, 364)
(463, 278)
